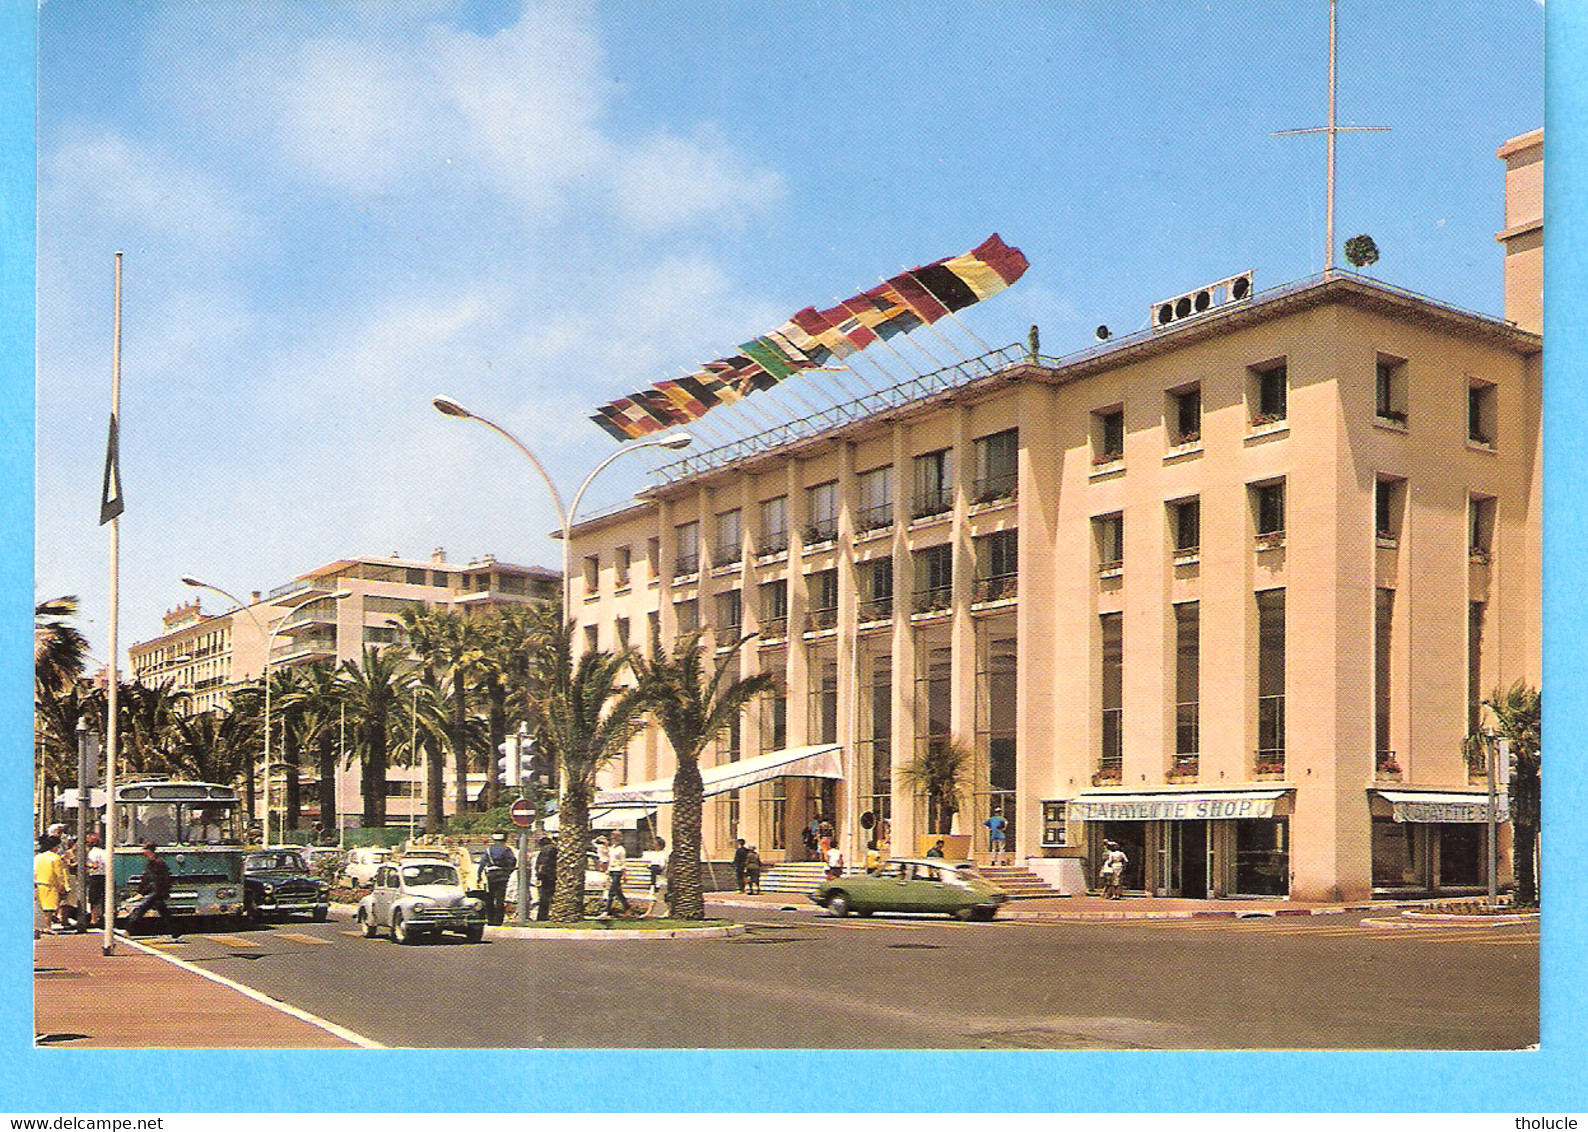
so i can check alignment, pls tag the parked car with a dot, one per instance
(324, 860)
(362, 864)
(912, 886)
(417, 898)
(277, 882)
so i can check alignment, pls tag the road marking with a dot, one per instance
(231, 941)
(352, 933)
(299, 937)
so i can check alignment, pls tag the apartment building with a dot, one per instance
(329, 614)
(1228, 591)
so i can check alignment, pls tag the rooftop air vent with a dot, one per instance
(1202, 300)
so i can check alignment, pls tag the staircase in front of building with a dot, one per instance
(799, 877)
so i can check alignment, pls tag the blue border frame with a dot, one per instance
(1547, 1080)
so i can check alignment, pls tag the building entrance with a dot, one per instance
(1183, 860)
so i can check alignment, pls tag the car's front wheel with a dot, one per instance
(368, 922)
(400, 931)
(322, 913)
(474, 933)
(838, 904)
(983, 914)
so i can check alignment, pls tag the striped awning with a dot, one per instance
(820, 761)
(1443, 806)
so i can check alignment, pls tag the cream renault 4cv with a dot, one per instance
(419, 898)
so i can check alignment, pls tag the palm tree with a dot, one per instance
(316, 702)
(375, 691)
(245, 727)
(59, 650)
(586, 720)
(149, 728)
(1518, 713)
(938, 774)
(285, 685)
(203, 750)
(429, 714)
(694, 709)
(508, 639)
(451, 644)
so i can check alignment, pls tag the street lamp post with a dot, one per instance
(264, 781)
(565, 516)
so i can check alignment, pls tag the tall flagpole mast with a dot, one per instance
(112, 481)
(1330, 131)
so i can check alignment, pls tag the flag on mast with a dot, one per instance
(110, 501)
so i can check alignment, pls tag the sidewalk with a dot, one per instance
(141, 1000)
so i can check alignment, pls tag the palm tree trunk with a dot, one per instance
(375, 776)
(573, 835)
(460, 743)
(685, 894)
(435, 785)
(294, 781)
(330, 820)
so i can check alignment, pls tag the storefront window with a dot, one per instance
(1397, 861)
(1262, 857)
(1132, 838)
(1462, 858)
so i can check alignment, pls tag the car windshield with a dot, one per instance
(892, 871)
(430, 873)
(257, 862)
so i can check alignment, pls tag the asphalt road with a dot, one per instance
(798, 980)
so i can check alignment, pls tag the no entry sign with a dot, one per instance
(520, 813)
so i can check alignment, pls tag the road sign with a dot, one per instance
(520, 813)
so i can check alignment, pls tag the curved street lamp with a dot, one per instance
(671, 440)
(281, 622)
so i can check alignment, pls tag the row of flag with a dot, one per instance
(814, 339)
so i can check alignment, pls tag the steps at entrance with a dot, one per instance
(1020, 883)
(793, 877)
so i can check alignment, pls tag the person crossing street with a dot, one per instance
(496, 868)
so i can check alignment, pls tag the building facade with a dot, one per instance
(306, 620)
(1228, 591)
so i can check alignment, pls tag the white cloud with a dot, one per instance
(668, 181)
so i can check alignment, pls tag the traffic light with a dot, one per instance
(526, 760)
(510, 761)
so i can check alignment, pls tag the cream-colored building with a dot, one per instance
(1228, 591)
(305, 620)
(1523, 235)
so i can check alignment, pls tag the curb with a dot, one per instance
(715, 932)
(1007, 912)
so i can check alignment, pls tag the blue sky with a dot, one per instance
(332, 212)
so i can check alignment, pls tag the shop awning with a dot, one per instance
(1441, 806)
(1178, 805)
(821, 761)
(609, 818)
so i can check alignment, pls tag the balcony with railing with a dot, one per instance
(1001, 587)
(773, 629)
(686, 566)
(1111, 759)
(994, 489)
(773, 542)
(1270, 737)
(724, 556)
(1386, 767)
(821, 531)
(822, 619)
(876, 609)
(934, 600)
(868, 519)
(932, 505)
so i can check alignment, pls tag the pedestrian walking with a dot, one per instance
(496, 868)
(97, 861)
(154, 886)
(545, 876)
(49, 880)
(739, 854)
(996, 825)
(752, 871)
(658, 861)
(1113, 870)
(835, 862)
(937, 848)
(617, 860)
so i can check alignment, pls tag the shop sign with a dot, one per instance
(1465, 812)
(1200, 807)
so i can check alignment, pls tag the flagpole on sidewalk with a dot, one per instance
(110, 508)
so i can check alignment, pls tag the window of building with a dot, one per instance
(774, 720)
(653, 558)
(729, 547)
(876, 729)
(1480, 414)
(774, 608)
(414, 576)
(511, 584)
(592, 576)
(1271, 681)
(1185, 527)
(934, 692)
(934, 579)
(823, 703)
(687, 614)
(1389, 504)
(1480, 527)
(774, 525)
(1268, 394)
(1268, 512)
(592, 640)
(1389, 399)
(623, 632)
(1108, 532)
(1108, 436)
(876, 590)
(1111, 696)
(997, 466)
(997, 566)
(1383, 629)
(997, 691)
(1185, 416)
(934, 484)
(730, 614)
(822, 501)
(875, 492)
(686, 549)
(1187, 683)
(1475, 611)
(824, 599)
(620, 567)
